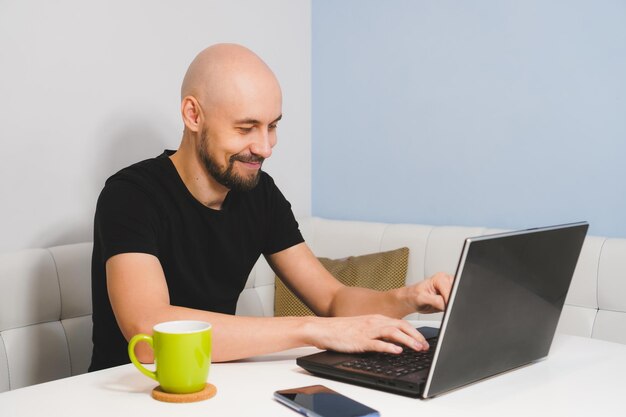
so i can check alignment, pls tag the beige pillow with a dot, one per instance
(379, 271)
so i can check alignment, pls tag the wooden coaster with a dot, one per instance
(209, 391)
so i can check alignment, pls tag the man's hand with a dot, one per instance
(430, 295)
(364, 333)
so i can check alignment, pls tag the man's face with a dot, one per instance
(239, 135)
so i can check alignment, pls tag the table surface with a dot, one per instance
(580, 377)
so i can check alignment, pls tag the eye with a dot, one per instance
(273, 126)
(244, 130)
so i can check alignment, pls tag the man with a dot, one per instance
(176, 236)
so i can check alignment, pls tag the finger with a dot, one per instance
(442, 284)
(406, 335)
(416, 335)
(446, 287)
(435, 301)
(382, 346)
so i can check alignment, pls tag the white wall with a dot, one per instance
(87, 88)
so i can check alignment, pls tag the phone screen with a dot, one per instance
(320, 401)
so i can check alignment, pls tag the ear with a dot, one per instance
(192, 113)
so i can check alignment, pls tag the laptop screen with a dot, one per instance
(506, 301)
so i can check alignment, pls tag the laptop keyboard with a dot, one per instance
(392, 365)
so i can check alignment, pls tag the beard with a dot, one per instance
(227, 176)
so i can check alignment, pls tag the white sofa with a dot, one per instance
(45, 299)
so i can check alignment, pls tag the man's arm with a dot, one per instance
(326, 296)
(139, 297)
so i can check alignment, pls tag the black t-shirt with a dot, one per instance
(206, 254)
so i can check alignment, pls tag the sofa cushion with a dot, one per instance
(379, 271)
(29, 289)
(37, 353)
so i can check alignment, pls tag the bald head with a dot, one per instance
(224, 72)
(231, 104)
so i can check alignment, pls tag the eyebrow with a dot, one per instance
(251, 121)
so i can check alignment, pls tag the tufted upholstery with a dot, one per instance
(45, 299)
(45, 314)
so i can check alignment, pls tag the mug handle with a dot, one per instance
(131, 353)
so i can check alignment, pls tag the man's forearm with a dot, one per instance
(427, 296)
(237, 337)
(234, 337)
(355, 301)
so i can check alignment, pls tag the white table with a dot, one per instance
(581, 377)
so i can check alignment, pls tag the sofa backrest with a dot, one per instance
(45, 294)
(45, 314)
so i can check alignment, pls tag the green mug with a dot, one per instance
(182, 355)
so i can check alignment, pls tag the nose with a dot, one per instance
(263, 144)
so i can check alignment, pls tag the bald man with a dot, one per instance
(176, 236)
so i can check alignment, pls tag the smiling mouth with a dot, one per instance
(252, 164)
(251, 161)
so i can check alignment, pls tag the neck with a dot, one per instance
(200, 184)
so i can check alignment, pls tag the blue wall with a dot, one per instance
(489, 113)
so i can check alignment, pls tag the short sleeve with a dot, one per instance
(126, 220)
(283, 231)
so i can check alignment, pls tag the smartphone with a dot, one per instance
(320, 401)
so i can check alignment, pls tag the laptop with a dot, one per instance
(504, 307)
